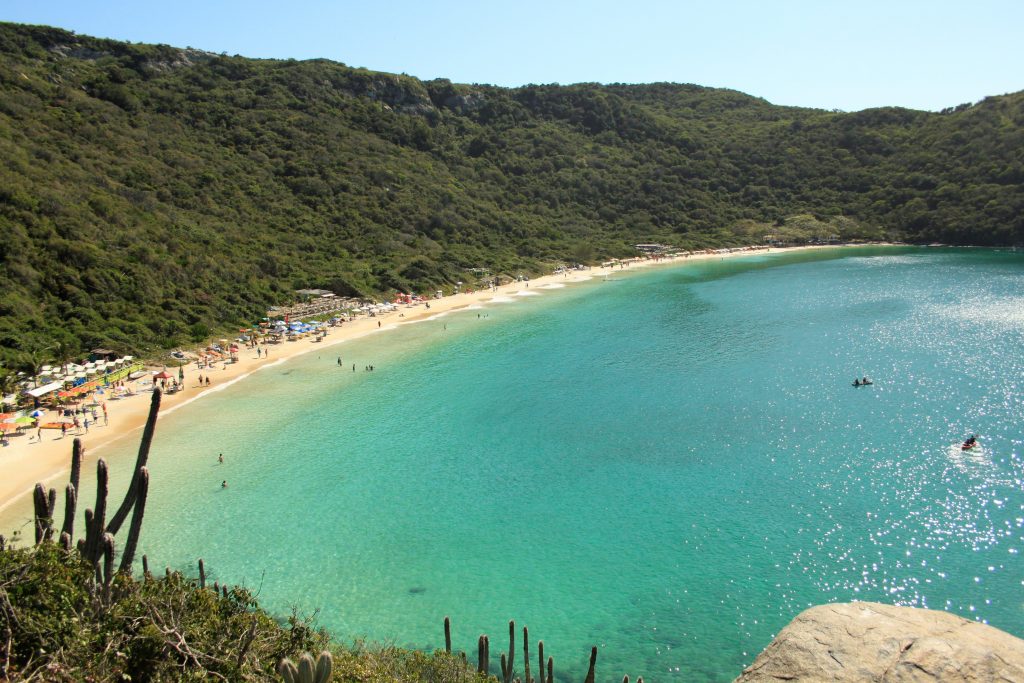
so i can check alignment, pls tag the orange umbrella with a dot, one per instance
(163, 374)
(8, 427)
(56, 425)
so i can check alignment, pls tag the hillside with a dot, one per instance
(152, 196)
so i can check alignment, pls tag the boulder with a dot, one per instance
(867, 641)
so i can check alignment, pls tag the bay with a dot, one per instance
(669, 465)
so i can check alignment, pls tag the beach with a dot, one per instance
(27, 461)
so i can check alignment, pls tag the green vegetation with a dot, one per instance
(152, 196)
(167, 629)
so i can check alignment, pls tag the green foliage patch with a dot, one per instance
(151, 195)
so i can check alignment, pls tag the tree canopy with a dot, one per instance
(151, 196)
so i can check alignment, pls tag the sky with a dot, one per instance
(848, 55)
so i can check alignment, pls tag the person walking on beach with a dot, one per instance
(220, 458)
(86, 423)
(63, 429)
(207, 380)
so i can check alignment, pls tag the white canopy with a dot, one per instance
(45, 389)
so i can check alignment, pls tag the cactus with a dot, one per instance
(593, 661)
(77, 452)
(44, 503)
(307, 671)
(141, 481)
(145, 567)
(526, 655)
(70, 507)
(447, 635)
(506, 667)
(95, 527)
(483, 656)
(147, 440)
(202, 574)
(540, 659)
(551, 670)
(107, 548)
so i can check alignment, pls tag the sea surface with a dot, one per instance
(669, 464)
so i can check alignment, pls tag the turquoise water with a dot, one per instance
(669, 465)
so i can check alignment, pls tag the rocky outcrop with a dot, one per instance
(866, 641)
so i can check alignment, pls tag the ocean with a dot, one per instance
(668, 464)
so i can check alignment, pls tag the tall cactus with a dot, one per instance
(96, 528)
(447, 635)
(307, 671)
(526, 656)
(77, 453)
(483, 656)
(593, 661)
(142, 486)
(70, 507)
(147, 440)
(507, 665)
(97, 546)
(44, 503)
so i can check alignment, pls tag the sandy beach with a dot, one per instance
(27, 461)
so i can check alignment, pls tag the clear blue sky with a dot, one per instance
(850, 55)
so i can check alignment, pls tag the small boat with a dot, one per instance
(969, 443)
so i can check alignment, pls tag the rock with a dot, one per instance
(867, 641)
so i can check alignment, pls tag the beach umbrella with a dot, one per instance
(163, 374)
(56, 425)
(8, 427)
(37, 413)
(22, 421)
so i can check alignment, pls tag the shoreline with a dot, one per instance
(27, 461)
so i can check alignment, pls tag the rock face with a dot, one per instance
(866, 641)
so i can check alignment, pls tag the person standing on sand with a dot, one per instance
(220, 458)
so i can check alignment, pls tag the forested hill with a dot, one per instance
(152, 195)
